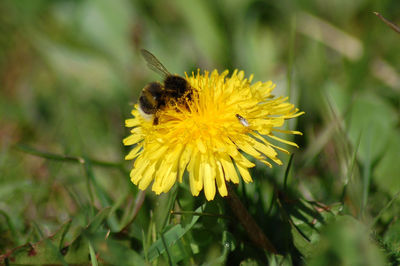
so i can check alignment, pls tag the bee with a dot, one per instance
(155, 96)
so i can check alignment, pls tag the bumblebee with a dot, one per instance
(155, 96)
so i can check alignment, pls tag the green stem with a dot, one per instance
(65, 158)
(387, 22)
(249, 224)
(199, 214)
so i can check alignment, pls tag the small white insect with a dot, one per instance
(242, 120)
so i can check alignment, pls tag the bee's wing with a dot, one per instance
(153, 63)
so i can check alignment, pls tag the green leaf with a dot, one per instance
(115, 252)
(78, 251)
(171, 236)
(46, 251)
(346, 242)
(306, 219)
(164, 205)
(98, 220)
(387, 172)
(393, 235)
(374, 120)
(279, 260)
(249, 262)
(92, 253)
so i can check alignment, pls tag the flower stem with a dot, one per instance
(65, 158)
(387, 22)
(249, 224)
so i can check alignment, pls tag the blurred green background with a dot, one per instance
(70, 72)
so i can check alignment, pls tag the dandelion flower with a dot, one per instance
(209, 134)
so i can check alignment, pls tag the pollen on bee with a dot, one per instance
(145, 116)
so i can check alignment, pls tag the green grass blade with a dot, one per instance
(171, 236)
(92, 253)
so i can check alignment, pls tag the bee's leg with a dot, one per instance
(186, 99)
(155, 120)
(189, 94)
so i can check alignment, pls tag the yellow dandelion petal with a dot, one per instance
(157, 151)
(146, 177)
(169, 180)
(248, 148)
(183, 162)
(220, 180)
(167, 171)
(201, 146)
(208, 175)
(296, 114)
(165, 177)
(239, 158)
(283, 141)
(264, 126)
(210, 134)
(287, 131)
(162, 172)
(133, 153)
(266, 163)
(137, 131)
(244, 172)
(132, 139)
(259, 137)
(229, 169)
(196, 182)
(265, 149)
(136, 173)
(132, 122)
